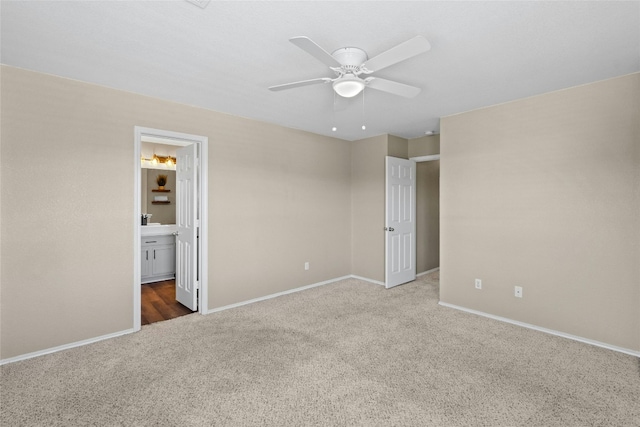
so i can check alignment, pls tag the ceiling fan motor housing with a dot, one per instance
(350, 57)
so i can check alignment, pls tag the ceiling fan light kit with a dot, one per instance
(348, 86)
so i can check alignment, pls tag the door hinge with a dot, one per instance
(197, 285)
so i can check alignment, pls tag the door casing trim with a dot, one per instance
(203, 213)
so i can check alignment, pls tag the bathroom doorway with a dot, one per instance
(158, 302)
(191, 271)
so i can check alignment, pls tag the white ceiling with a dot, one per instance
(224, 57)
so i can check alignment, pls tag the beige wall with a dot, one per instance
(164, 214)
(144, 185)
(427, 215)
(397, 147)
(367, 206)
(544, 193)
(424, 146)
(368, 203)
(277, 198)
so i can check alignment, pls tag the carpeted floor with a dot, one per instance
(348, 353)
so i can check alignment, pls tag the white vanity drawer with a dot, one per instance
(158, 240)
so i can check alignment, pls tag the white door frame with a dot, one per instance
(430, 158)
(203, 191)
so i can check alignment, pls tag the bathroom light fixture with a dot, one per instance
(348, 86)
(168, 160)
(155, 161)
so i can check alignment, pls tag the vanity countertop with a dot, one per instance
(157, 230)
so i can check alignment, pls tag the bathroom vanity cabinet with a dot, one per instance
(158, 257)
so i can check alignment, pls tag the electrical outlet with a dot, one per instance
(518, 291)
(478, 284)
(306, 265)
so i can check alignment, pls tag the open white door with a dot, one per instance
(400, 220)
(187, 226)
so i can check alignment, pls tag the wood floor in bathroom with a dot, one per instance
(159, 302)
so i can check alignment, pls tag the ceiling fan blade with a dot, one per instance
(399, 53)
(390, 86)
(300, 83)
(309, 46)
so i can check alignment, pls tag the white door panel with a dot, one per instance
(186, 224)
(400, 229)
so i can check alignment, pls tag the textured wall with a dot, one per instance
(544, 193)
(164, 214)
(424, 146)
(278, 197)
(397, 147)
(367, 206)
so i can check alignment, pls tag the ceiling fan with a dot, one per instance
(349, 63)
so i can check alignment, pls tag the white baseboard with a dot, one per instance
(290, 291)
(128, 331)
(64, 347)
(545, 330)
(375, 282)
(428, 271)
(278, 294)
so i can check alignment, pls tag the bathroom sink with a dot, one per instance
(157, 229)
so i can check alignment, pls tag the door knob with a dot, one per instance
(389, 229)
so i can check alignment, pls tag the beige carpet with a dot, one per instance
(348, 353)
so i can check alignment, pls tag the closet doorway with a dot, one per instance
(190, 222)
(427, 213)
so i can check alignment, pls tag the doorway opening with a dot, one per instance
(427, 213)
(188, 235)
